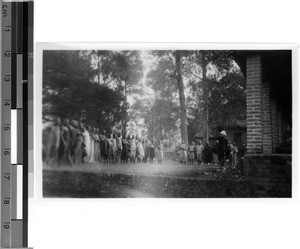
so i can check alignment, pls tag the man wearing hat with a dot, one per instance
(223, 145)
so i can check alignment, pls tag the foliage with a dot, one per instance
(69, 90)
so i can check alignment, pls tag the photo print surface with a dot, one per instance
(166, 123)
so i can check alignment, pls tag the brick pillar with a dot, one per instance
(274, 118)
(280, 126)
(254, 105)
(266, 118)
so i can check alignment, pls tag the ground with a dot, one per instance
(169, 179)
(167, 168)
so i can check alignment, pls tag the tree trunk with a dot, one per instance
(183, 118)
(205, 96)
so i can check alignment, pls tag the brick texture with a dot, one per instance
(266, 118)
(269, 175)
(254, 105)
(274, 119)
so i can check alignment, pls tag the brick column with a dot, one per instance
(266, 118)
(254, 105)
(274, 118)
(280, 126)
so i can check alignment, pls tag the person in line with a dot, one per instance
(199, 151)
(207, 154)
(152, 152)
(215, 151)
(92, 142)
(140, 151)
(79, 144)
(132, 143)
(51, 142)
(65, 151)
(103, 147)
(160, 153)
(235, 153)
(223, 148)
(125, 150)
(119, 147)
(183, 152)
(191, 152)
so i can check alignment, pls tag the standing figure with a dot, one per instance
(119, 147)
(73, 133)
(132, 143)
(160, 153)
(103, 147)
(92, 142)
(207, 154)
(65, 148)
(183, 152)
(191, 153)
(152, 152)
(79, 143)
(199, 151)
(86, 152)
(215, 151)
(125, 150)
(96, 145)
(235, 153)
(147, 151)
(223, 148)
(140, 151)
(51, 142)
(144, 142)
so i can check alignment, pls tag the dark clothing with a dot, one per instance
(152, 153)
(207, 154)
(223, 149)
(125, 150)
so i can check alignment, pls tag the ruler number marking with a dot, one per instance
(7, 54)
(6, 226)
(7, 78)
(4, 10)
(7, 176)
(6, 152)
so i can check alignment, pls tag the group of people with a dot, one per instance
(222, 152)
(71, 142)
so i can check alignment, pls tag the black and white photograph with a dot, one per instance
(184, 123)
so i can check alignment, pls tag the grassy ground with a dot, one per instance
(167, 168)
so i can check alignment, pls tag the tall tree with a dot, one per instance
(202, 66)
(125, 68)
(69, 90)
(173, 59)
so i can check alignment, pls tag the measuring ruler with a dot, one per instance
(16, 99)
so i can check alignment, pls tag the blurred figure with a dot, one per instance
(86, 145)
(191, 153)
(207, 154)
(152, 151)
(140, 151)
(132, 144)
(119, 147)
(125, 150)
(103, 147)
(73, 133)
(215, 152)
(235, 153)
(65, 141)
(160, 153)
(199, 151)
(96, 145)
(183, 152)
(51, 142)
